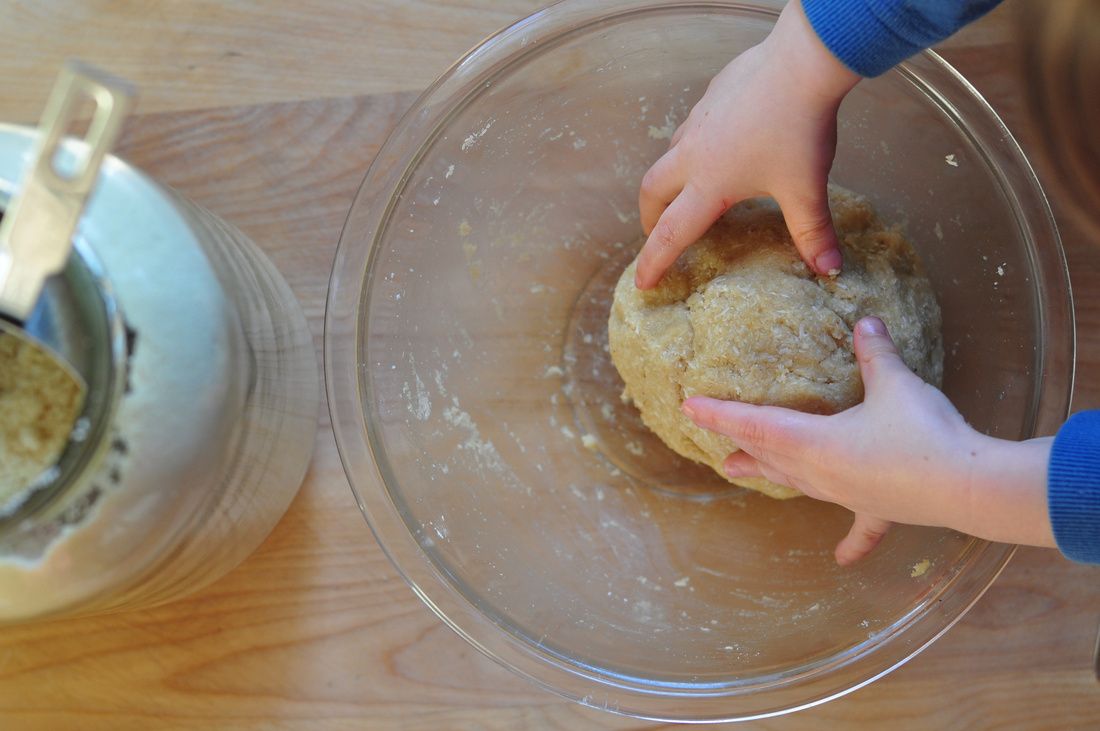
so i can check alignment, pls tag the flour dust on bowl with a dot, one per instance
(478, 416)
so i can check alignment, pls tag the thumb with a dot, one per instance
(811, 225)
(865, 534)
(876, 353)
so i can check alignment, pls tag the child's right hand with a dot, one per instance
(766, 126)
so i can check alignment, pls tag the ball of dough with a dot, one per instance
(740, 317)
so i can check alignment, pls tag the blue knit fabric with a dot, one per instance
(872, 36)
(1073, 487)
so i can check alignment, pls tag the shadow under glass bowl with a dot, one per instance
(478, 416)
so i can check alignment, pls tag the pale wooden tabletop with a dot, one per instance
(268, 112)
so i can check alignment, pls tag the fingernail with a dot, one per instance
(871, 326)
(829, 262)
(732, 470)
(641, 283)
(688, 409)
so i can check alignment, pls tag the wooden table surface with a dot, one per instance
(268, 112)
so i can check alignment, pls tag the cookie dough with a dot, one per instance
(39, 403)
(740, 317)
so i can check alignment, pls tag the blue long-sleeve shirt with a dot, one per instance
(1073, 487)
(872, 36)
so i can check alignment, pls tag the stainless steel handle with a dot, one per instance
(36, 231)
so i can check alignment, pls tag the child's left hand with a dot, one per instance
(904, 454)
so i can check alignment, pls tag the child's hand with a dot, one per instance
(766, 126)
(904, 454)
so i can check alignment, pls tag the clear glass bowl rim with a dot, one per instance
(358, 445)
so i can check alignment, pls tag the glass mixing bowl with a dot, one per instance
(478, 416)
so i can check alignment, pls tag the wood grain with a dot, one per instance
(206, 53)
(316, 630)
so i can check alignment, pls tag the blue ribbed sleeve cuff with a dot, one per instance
(872, 36)
(1073, 487)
